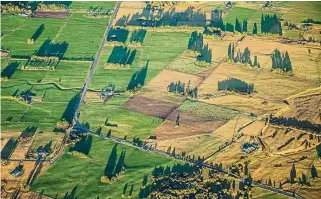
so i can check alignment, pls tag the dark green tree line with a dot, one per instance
(271, 24)
(237, 85)
(281, 61)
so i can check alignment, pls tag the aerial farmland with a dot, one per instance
(160, 99)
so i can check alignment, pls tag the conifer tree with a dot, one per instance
(314, 172)
(238, 26)
(254, 29)
(292, 173)
(244, 25)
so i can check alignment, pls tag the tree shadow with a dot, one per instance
(46, 148)
(72, 195)
(9, 148)
(117, 34)
(69, 112)
(138, 36)
(83, 145)
(195, 41)
(138, 78)
(111, 163)
(10, 69)
(122, 21)
(38, 32)
(206, 54)
(29, 131)
(48, 49)
(154, 18)
(121, 55)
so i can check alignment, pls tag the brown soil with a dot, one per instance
(149, 106)
(56, 14)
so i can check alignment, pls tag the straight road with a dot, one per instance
(93, 66)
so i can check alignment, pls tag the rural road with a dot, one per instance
(93, 66)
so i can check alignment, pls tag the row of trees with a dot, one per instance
(271, 24)
(303, 179)
(176, 168)
(237, 85)
(196, 43)
(179, 88)
(301, 124)
(239, 27)
(114, 167)
(281, 61)
(138, 78)
(244, 57)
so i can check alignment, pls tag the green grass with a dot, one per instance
(10, 22)
(208, 110)
(51, 95)
(251, 15)
(158, 48)
(43, 115)
(130, 124)
(81, 5)
(17, 40)
(70, 171)
(83, 35)
(67, 74)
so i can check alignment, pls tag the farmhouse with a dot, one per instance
(18, 171)
(249, 147)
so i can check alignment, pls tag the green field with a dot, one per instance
(83, 35)
(158, 48)
(10, 22)
(81, 5)
(208, 110)
(251, 15)
(17, 40)
(52, 91)
(130, 124)
(70, 171)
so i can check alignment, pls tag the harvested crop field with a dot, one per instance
(5, 137)
(199, 145)
(304, 64)
(147, 106)
(282, 140)
(304, 106)
(169, 130)
(219, 46)
(229, 129)
(21, 149)
(55, 14)
(205, 124)
(157, 87)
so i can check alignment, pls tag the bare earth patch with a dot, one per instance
(54, 14)
(147, 106)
